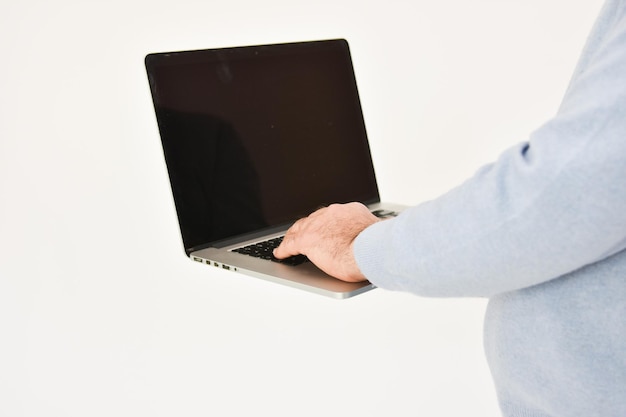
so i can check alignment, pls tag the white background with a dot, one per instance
(100, 312)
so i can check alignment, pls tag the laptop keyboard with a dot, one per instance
(264, 249)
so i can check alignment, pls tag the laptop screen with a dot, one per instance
(257, 137)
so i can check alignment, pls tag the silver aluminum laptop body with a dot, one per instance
(256, 137)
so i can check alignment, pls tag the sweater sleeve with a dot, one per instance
(545, 208)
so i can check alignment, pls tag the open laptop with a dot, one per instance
(255, 138)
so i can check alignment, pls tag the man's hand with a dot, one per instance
(327, 236)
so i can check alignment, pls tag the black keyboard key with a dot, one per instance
(383, 214)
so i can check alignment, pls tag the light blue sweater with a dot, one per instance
(542, 233)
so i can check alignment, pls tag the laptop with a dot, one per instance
(255, 138)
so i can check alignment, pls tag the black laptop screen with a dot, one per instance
(256, 137)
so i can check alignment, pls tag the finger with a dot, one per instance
(288, 246)
(286, 249)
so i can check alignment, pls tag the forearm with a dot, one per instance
(500, 231)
